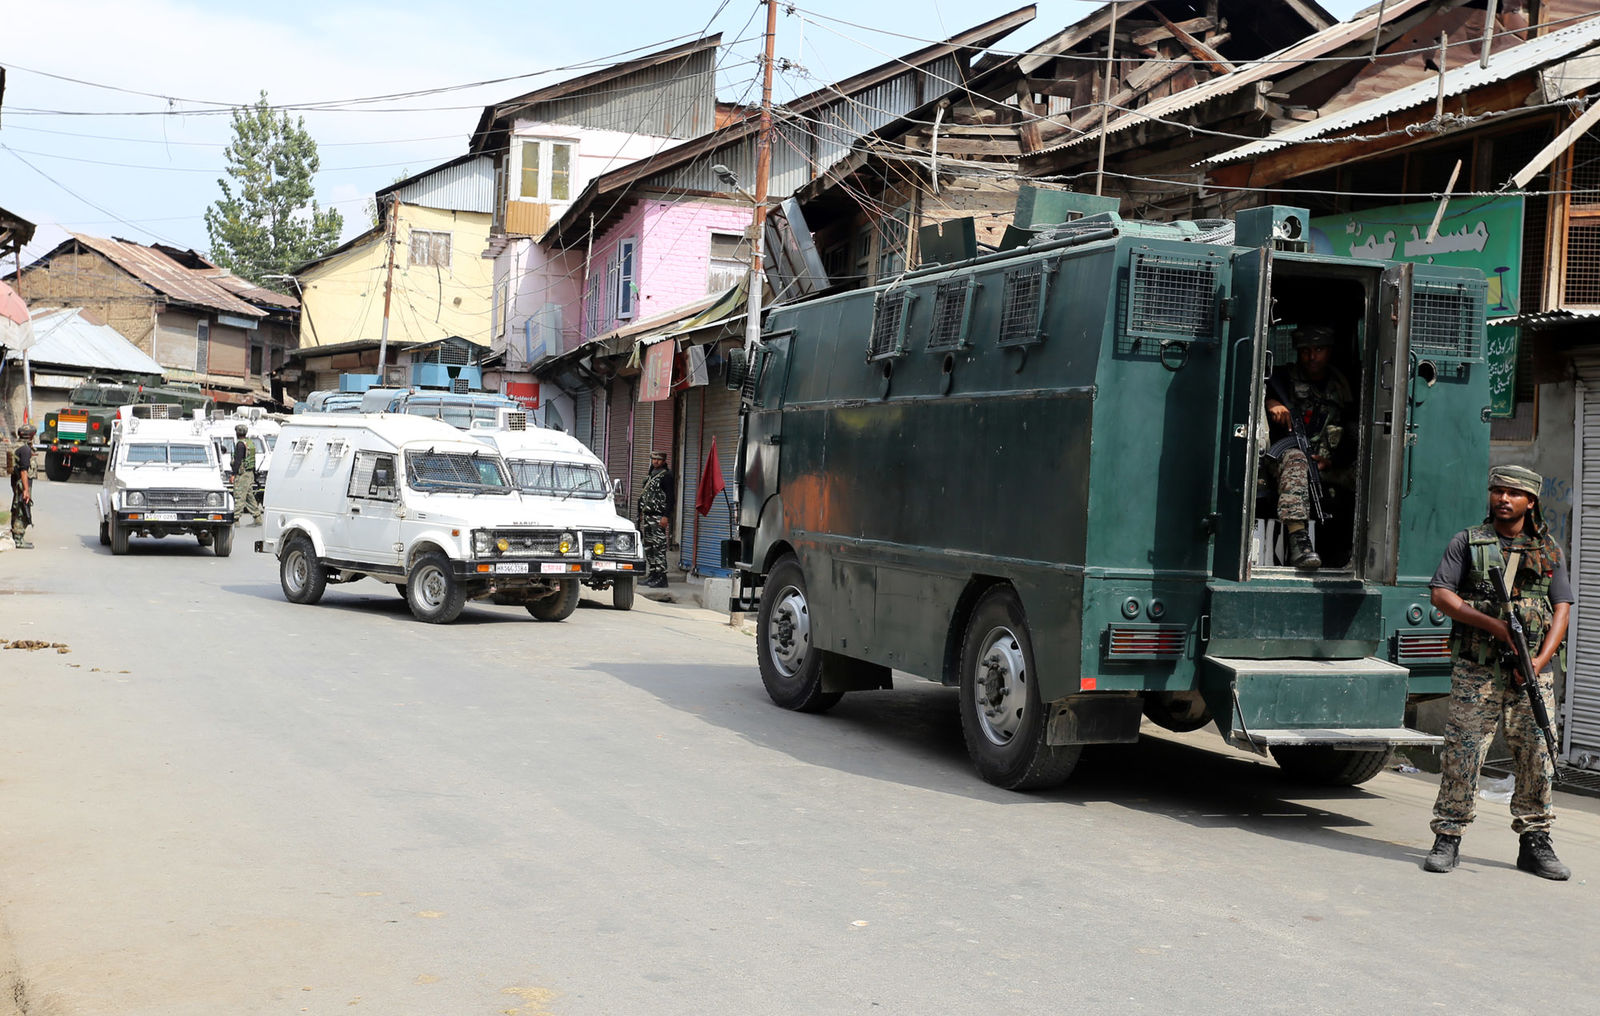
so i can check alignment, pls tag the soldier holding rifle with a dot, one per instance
(1487, 688)
(1307, 402)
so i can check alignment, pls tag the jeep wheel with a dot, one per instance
(432, 591)
(119, 538)
(558, 606)
(622, 593)
(105, 534)
(223, 542)
(299, 572)
(57, 467)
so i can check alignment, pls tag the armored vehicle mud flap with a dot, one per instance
(1354, 704)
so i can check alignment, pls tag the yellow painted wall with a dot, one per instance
(343, 296)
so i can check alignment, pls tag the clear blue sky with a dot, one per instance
(144, 166)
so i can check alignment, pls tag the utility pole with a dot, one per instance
(758, 218)
(388, 294)
(1105, 100)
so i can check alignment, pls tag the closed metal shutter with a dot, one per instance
(710, 411)
(326, 381)
(619, 463)
(1581, 713)
(583, 419)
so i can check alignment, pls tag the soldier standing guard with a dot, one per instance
(1515, 539)
(1312, 388)
(22, 486)
(655, 519)
(244, 476)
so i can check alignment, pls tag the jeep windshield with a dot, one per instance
(149, 453)
(559, 479)
(468, 472)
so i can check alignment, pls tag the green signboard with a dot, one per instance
(1476, 232)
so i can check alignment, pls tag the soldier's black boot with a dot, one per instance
(1301, 553)
(1540, 858)
(1445, 855)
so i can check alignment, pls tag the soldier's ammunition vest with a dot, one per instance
(1530, 592)
(1321, 408)
(249, 457)
(653, 498)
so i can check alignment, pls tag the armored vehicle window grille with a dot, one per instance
(159, 411)
(373, 476)
(1447, 321)
(889, 324)
(1169, 297)
(516, 421)
(1019, 306)
(459, 386)
(952, 303)
(443, 470)
(752, 375)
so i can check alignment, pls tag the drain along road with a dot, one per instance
(220, 802)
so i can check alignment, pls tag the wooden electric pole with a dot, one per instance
(758, 218)
(388, 295)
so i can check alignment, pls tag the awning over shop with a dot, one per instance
(1545, 318)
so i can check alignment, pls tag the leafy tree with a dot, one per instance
(267, 220)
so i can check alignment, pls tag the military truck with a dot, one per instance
(78, 437)
(1037, 475)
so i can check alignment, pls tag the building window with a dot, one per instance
(202, 346)
(730, 261)
(625, 273)
(892, 242)
(256, 359)
(591, 307)
(430, 249)
(547, 170)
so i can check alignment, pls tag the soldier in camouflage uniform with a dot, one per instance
(244, 477)
(1321, 396)
(1513, 538)
(22, 486)
(655, 519)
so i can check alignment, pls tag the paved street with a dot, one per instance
(220, 802)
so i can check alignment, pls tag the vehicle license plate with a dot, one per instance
(605, 566)
(512, 568)
(162, 516)
(552, 568)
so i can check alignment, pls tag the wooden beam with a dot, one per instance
(1205, 54)
(1193, 26)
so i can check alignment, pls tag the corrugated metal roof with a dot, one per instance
(460, 185)
(249, 291)
(1312, 46)
(1541, 318)
(166, 276)
(68, 339)
(1503, 64)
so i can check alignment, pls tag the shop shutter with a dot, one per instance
(710, 411)
(1581, 712)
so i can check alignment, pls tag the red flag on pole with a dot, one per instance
(705, 497)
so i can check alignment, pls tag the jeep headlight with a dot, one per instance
(568, 541)
(622, 542)
(480, 542)
(214, 499)
(599, 548)
(134, 498)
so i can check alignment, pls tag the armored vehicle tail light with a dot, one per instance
(1416, 647)
(1145, 641)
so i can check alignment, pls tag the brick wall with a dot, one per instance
(90, 281)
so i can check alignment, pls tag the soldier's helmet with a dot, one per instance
(240, 429)
(1314, 335)
(27, 430)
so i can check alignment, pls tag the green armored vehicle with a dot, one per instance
(1039, 475)
(79, 436)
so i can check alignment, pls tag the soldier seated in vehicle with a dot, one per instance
(1316, 392)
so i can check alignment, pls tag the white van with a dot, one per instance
(567, 486)
(163, 478)
(415, 503)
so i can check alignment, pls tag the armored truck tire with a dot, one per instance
(222, 543)
(1002, 717)
(299, 572)
(559, 605)
(119, 537)
(622, 593)
(1329, 767)
(432, 591)
(791, 666)
(105, 533)
(56, 466)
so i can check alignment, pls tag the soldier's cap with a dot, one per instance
(240, 429)
(1314, 335)
(27, 430)
(1516, 478)
(658, 454)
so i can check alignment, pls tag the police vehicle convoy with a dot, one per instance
(564, 484)
(163, 478)
(413, 502)
(1081, 530)
(78, 437)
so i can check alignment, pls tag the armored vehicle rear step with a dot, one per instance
(1328, 737)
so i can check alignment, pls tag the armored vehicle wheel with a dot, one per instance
(119, 538)
(1002, 718)
(558, 607)
(1329, 767)
(222, 543)
(432, 591)
(57, 467)
(300, 573)
(105, 534)
(622, 593)
(791, 665)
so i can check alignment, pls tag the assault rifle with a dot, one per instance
(1297, 429)
(1523, 677)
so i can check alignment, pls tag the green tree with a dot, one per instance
(267, 220)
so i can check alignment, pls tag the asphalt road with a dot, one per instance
(220, 802)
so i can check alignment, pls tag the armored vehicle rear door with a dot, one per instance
(1243, 387)
(1386, 427)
